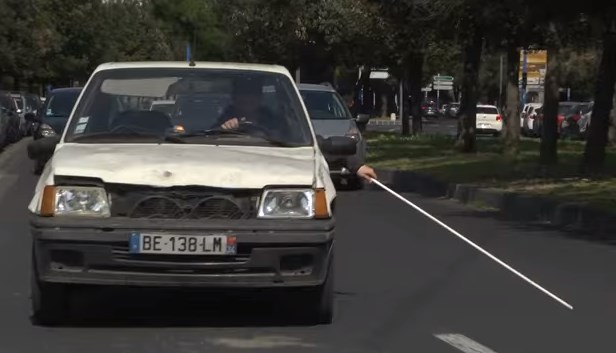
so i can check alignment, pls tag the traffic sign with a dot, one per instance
(441, 83)
(442, 88)
(440, 78)
(379, 75)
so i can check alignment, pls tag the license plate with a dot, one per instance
(140, 243)
(484, 126)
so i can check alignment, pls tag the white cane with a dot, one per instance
(497, 260)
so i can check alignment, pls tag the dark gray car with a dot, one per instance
(331, 117)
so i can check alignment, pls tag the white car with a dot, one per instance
(127, 200)
(489, 120)
(529, 114)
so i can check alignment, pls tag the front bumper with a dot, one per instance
(279, 253)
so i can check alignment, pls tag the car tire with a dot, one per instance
(49, 301)
(13, 133)
(319, 301)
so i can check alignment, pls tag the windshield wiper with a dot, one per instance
(115, 135)
(219, 132)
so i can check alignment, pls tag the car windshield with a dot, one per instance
(565, 108)
(116, 107)
(487, 110)
(323, 105)
(60, 104)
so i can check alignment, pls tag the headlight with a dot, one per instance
(47, 130)
(75, 201)
(287, 204)
(354, 134)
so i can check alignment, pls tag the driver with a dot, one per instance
(246, 108)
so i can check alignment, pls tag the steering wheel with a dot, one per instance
(250, 127)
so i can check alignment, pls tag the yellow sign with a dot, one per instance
(537, 61)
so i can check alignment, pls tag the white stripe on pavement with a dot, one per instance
(463, 343)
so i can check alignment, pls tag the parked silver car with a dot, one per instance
(331, 117)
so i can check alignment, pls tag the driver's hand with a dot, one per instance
(231, 124)
(366, 173)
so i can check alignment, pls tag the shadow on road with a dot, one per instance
(155, 307)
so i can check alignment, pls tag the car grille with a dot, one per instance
(182, 202)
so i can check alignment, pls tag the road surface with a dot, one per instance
(403, 285)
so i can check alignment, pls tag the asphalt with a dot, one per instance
(403, 284)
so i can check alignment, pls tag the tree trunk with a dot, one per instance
(549, 133)
(403, 103)
(384, 93)
(415, 67)
(594, 153)
(612, 132)
(468, 104)
(511, 114)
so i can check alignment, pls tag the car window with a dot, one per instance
(322, 105)
(60, 104)
(487, 110)
(565, 108)
(118, 102)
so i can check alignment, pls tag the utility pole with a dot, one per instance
(500, 82)
(438, 91)
(524, 75)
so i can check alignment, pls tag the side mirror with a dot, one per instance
(338, 145)
(43, 149)
(31, 117)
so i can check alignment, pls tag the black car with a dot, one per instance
(51, 119)
(9, 107)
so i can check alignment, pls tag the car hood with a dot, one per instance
(166, 165)
(332, 127)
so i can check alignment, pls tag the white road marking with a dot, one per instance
(261, 342)
(463, 343)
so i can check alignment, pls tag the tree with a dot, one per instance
(471, 25)
(594, 153)
(195, 22)
(411, 28)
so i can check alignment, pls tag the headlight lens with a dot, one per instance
(81, 201)
(354, 134)
(47, 130)
(287, 204)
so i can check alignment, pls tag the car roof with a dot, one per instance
(486, 106)
(197, 65)
(313, 87)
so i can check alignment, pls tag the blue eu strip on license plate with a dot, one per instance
(133, 243)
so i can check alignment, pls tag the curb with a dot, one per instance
(538, 210)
